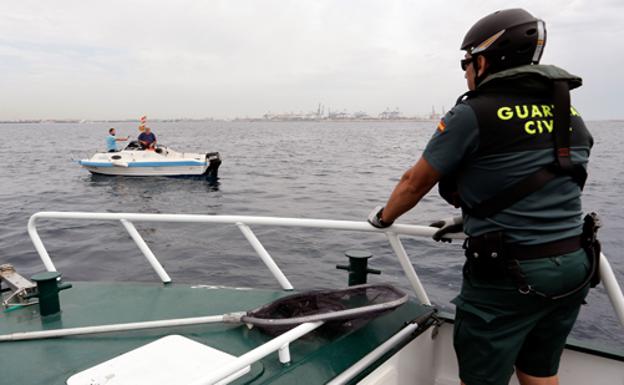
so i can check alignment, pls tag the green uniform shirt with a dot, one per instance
(551, 213)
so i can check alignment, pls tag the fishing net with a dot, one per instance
(339, 309)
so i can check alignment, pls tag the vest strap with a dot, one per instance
(512, 194)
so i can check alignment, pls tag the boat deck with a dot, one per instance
(393, 349)
(316, 358)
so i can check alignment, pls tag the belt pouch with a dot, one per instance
(485, 257)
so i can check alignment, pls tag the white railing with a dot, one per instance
(281, 343)
(243, 222)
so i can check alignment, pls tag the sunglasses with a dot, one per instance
(464, 63)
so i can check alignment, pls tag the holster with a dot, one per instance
(591, 244)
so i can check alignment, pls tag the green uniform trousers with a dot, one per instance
(497, 327)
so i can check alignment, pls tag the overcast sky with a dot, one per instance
(122, 59)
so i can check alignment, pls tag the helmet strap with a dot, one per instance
(475, 67)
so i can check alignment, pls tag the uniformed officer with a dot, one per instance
(512, 153)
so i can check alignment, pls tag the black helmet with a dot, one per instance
(508, 38)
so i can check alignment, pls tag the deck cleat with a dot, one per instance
(358, 266)
(48, 287)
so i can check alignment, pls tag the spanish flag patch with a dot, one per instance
(441, 126)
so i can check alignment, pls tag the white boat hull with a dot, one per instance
(430, 359)
(141, 170)
(163, 162)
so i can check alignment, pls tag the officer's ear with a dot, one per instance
(482, 64)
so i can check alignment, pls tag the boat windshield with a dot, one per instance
(133, 145)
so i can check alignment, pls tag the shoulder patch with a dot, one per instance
(441, 125)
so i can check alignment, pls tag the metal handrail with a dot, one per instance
(242, 222)
(610, 283)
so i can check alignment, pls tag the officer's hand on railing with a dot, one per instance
(374, 218)
(447, 226)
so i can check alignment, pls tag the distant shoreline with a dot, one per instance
(248, 120)
(244, 120)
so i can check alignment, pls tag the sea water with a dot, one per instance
(292, 169)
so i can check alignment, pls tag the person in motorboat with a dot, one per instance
(147, 139)
(512, 154)
(111, 140)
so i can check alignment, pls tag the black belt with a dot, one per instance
(543, 250)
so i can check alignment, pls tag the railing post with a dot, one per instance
(258, 353)
(284, 354)
(36, 240)
(399, 250)
(265, 256)
(614, 292)
(151, 258)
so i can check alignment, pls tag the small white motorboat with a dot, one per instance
(163, 161)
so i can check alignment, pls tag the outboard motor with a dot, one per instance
(214, 161)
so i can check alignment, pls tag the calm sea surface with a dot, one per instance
(291, 169)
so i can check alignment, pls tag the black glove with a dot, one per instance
(446, 226)
(374, 218)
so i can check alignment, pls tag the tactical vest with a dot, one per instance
(514, 120)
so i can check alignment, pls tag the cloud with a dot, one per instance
(240, 57)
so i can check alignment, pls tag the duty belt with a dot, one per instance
(489, 254)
